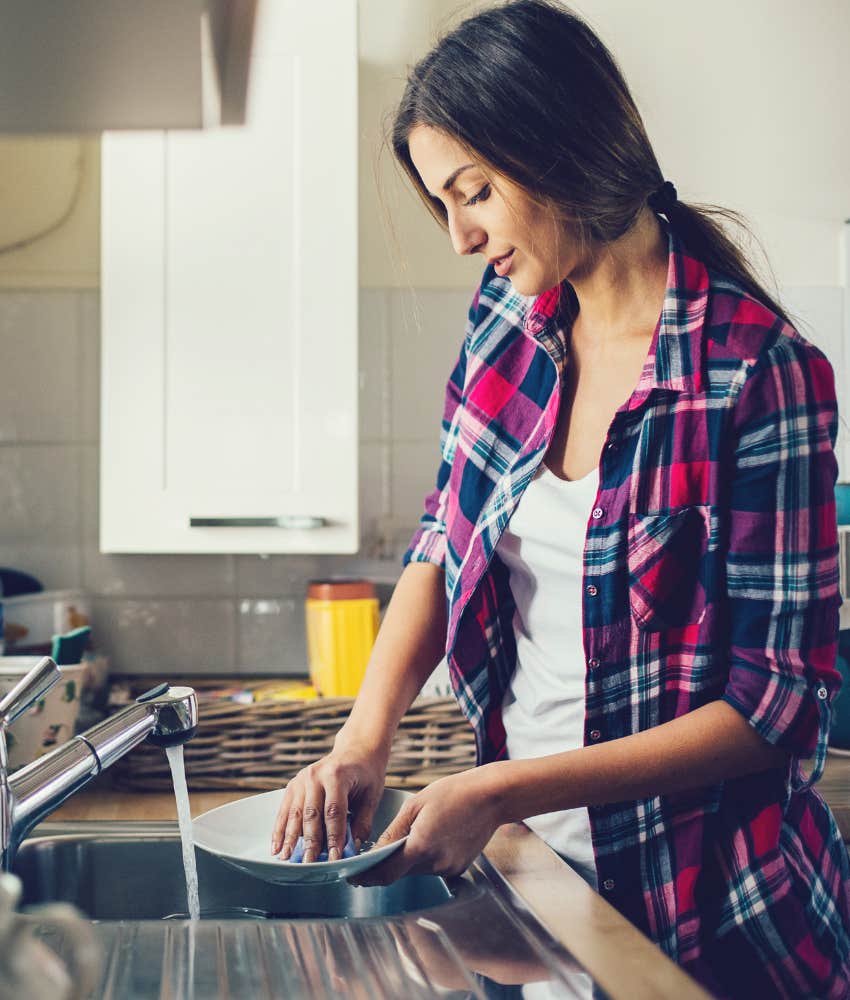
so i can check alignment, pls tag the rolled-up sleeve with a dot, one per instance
(782, 560)
(428, 543)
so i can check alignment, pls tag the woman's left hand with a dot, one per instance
(447, 825)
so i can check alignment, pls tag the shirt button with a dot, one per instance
(597, 513)
(822, 693)
(611, 446)
(591, 590)
(595, 734)
(593, 662)
(608, 884)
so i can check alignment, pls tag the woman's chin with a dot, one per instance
(527, 287)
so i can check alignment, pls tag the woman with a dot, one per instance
(630, 556)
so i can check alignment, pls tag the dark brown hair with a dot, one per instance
(534, 95)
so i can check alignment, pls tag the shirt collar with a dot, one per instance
(674, 358)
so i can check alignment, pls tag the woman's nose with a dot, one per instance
(466, 238)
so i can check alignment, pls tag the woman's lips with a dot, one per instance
(502, 265)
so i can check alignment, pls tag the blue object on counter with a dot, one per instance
(348, 851)
(842, 502)
(68, 648)
(14, 582)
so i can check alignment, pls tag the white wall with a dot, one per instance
(744, 101)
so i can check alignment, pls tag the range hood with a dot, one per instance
(89, 65)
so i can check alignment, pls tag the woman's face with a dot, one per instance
(492, 216)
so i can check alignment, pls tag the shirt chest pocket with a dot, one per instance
(667, 555)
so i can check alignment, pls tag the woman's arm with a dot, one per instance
(409, 645)
(711, 744)
(449, 823)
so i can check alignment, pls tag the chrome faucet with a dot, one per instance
(165, 716)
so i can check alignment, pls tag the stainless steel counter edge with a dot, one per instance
(625, 963)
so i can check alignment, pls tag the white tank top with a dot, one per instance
(544, 706)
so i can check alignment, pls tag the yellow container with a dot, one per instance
(342, 623)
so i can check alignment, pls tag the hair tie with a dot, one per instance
(664, 198)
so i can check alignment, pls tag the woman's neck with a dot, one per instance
(621, 290)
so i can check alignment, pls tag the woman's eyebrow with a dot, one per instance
(454, 176)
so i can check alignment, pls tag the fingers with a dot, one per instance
(335, 809)
(281, 820)
(313, 821)
(293, 829)
(399, 827)
(364, 814)
(316, 802)
(407, 860)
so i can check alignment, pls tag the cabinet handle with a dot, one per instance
(292, 522)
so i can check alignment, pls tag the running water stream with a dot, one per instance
(184, 819)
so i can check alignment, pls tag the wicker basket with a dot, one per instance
(261, 745)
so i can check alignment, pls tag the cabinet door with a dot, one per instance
(229, 311)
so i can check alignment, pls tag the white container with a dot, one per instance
(51, 721)
(43, 615)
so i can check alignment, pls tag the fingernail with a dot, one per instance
(357, 842)
(333, 854)
(286, 852)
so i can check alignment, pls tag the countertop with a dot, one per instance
(617, 956)
(518, 931)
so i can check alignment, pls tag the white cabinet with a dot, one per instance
(229, 311)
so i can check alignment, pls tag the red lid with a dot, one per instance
(340, 589)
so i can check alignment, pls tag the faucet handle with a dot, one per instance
(36, 683)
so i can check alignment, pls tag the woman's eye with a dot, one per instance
(482, 195)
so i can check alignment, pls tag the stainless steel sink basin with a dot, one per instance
(115, 876)
(471, 937)
(421, 937)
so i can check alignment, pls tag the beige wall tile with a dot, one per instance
(88, 319)
(426, 331)
(374, 363)
(40, 501)
(166, 637)
(39, 370)
(272, 637)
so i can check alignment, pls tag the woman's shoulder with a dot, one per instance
(741, 330)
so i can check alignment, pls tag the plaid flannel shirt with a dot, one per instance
(709, 572)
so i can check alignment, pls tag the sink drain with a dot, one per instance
(225, 913)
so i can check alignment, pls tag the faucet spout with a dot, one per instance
(166, 715)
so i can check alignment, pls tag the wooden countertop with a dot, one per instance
(102, 801)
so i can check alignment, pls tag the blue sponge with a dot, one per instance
(348, 851)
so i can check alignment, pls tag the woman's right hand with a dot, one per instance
(319, 798)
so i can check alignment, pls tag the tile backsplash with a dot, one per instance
(179, 614)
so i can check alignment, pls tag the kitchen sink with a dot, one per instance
(469, 937)
(110, 876)
(476, 936)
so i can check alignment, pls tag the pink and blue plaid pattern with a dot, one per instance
(712, 573)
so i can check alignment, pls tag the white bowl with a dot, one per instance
(240, 834)
(51, 721)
